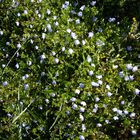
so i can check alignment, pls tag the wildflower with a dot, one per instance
(90, 73)
(99, 125)
(18, 45)
(67, 112)
(68, 30)
(81, 117)
(83, 103)
(53, 53)
(5, 83)
(73, 35)
(78, 21)
(134, 132)
(129, 48)
(93, 3)
(119, 112)
(100, 43)
(47, 101)
(125, 112)
(54, 82)
(100, 82)
(73, 99)
(94, 110)
(115, 118)
(108, 87)
(63, 49)
(111, 19)
(94, 84)
(97, 99)
(26, 86)
(83, 42)
(74, 106)
(83, 127)
(90, 34)
(122, 102)
(80, 14)
(135, 68)
(92, 64)
(17, 23)
(36, 47)
(121, 74)
(43, 35)
(115, 109)
(137, 91)
(129, 66)
(53, 94)
(25, 12)
(82, 109)
(48, 12)
(115, 66)
(94, 19)
(43, 56)
(56, 23)
(18, 14)
(77, 91)
(81, 85)
(81, 137)
(70, 51)
(109, 94)
(29, 63)
(82, 7)
(107, 121)
(132, 115)
(56, 60)
(99, 76)
(89, 59)
(17, 65)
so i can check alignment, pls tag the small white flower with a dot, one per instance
(122, 102)
(74, 106)
(43, 35)
(89, 59)
(129, 66)
(131, 77)
(48, 12)
(90, 34)
(17, 23)
(26, 86)
(126, 112)
(99, 76)
(115, 118)
(83, 42)
(100, 82)
(107, 121)
(137, 91)
(36, 47)
(42, 56)
(77, 91)
(76, 42)
(94, 84)
(108, 87)
(77, 21)
(81, 85)
(81, 137)
(53, 94)
(81, 117)
(25, 12)
(82, 109)
(93, 3)
(29, 63)
(73, 35)
(119, 112)
(92, 65)
(26, 76)
(82, 8)
(80, 14)
(135, 68)
(70, 51)
(31, 41)
(109, 94)
(134, 132)
(115, 109)
(83, 127)
(73, 99)
(99, 125)
(97, 99)
(63, 49)
(42, 73)
(132, 115)
(1, 32)
(115, 66)
(68, 30)
(56, 23)
(7, 43)
(83, 103)
(54, 82)
(18, 45)
(3, 65)
(111, 19)
(17, 65)
(67, 112)
(54, 17)
(126, 78)
(53, 53)
(18, 14)
(100, 43)
(56, 60)
(94, 110)
(90, 73)
(121, 74)
(5, 83)
(32, 0)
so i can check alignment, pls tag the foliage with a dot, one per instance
(67, 73)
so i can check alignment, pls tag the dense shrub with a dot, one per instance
(67, 72)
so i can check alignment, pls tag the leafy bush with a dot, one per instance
(67, 73)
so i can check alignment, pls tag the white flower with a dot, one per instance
(56, 60)
(63, 49)
(119, 112)
(94, 110)
(73, 99)
(122, 102)
(125, 112)
(99, 76)
(83, 127)
(18, 14)
(31, 41)
(115, 66)
(32, 0)
(25, 12)
(29, 63)
(94, 84)
(26, 86)
(54, 82)
(67, 112)
(81, 137)
(82, 109)
(73, 35)
(92, 64)
(93, 3)
(1, 32)
(121, 74)
(100, 82)
(5, 83)
(90, 34)
(39, 15)
(53, 53)
(90, 73)
(42, 73)
(18, 45)
(48, 12)
(68, 30)
(26, 76)
(115, 118)
(126, 78)
(7, 43)
(132, 115)
(36, 47)
(70, 51)
(97, 99)
(81, 117)
(77, 91)
(135, 68)
(17, 23)
(109, 94)
(83, 42)
(43, 35)
(82, 8)
(115, 109)
(78, 21)
(83, 103)
(99, 125)
(129, 66)
(80, 14)
(54, 17)
(42, 56)
(107, 121)
(53, 94)
(74, 106)
(81, 85)
(17, 65)
(100, 43)
(3, 65)
(56, 23)
(108, 87)
(111, 19)
(137, 91)
(134, 132)
(89, 59)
